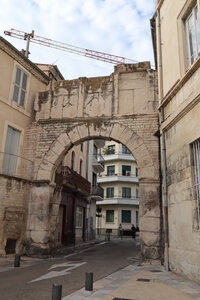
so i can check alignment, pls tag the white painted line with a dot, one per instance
(70, 266)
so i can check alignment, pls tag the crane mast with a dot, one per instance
(109, 58)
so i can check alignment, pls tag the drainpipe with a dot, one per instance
(164, 184)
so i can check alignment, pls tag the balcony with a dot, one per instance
(119, 201)
(117, 155)
(16, 166)
(98, 163)
(75, 181)
(119, 177)
(97, 192)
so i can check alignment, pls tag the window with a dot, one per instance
(136, 172)
(111, 149)
(95, 151)
(81, 167)
(136, 217)
(111, 170)
(193, 35)
(136, 191)
(11, 151)
(20, 87)
(196, 156)
(126, 216)
(72, 160)
(110, 192)
(125, 150)
(79, 217)
(126, 192)
(109, 216)
(81, 147)
(126, 170)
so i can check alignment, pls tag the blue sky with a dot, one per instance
(119, 27)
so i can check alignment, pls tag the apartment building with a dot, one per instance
(176, 39)
(20, 81)
(120, 183)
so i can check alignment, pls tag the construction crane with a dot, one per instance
(31, 37)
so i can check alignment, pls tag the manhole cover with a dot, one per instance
(143, 279)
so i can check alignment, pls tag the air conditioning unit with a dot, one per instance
(128, 173)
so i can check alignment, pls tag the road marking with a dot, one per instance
(70, 266)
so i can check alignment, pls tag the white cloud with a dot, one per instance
(118, 27)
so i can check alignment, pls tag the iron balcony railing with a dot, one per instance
(15, 165)
(128, 173)
(111, 152)
(97, 190)
(120, 197)
(75, 179)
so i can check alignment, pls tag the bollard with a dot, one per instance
(17, 261)
(56, 292)
(89, 281)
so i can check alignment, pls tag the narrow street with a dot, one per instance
(35, 282)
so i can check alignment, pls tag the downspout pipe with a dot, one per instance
(164, 177)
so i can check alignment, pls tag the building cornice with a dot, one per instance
(23, 61)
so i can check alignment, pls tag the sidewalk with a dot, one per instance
(147, 282)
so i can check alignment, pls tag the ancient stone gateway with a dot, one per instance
(120, 107)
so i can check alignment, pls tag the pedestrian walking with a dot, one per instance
(133, 231)
(120, 231)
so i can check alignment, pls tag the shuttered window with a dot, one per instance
(20, 87)
(11, 151)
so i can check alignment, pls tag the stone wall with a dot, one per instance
(14, 199)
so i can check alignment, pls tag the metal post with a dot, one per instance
(17, 261)
(56, 292)
(89, 281)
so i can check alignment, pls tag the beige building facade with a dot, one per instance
(176, 36)
(20, 81)
(120, 183)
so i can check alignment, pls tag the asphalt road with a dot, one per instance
(35, 282)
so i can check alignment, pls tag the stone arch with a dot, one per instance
(148, 176)
(82, 132)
